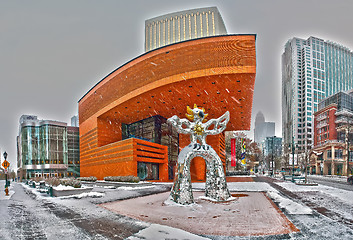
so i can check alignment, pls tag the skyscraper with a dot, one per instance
(263, 129)
(312, 70)
(181, 26)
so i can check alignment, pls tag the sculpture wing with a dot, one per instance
(181, 125)
(218, 124)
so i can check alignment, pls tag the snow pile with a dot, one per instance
(156, 231)
(170, 202)
(291, 206)
(63, 187)
(83, 195)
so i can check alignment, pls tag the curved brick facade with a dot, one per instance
(217, 73)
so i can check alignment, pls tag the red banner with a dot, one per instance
(233, 144)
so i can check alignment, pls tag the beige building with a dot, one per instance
(182, 26)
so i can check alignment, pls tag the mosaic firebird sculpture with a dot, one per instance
(216, 186)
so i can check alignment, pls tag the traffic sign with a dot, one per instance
(5, 164)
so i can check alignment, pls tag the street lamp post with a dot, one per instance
(273, 166)
(293, 149)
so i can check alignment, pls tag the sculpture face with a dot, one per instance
(196, 114)
(216, 186)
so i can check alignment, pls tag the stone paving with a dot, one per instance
(250, 214)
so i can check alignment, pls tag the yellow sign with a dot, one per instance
(5, 164)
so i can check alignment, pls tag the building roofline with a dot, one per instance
(143, 54)
(331, 105)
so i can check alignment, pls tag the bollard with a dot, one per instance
(50, 191)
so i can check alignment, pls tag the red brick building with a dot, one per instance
(331, 125)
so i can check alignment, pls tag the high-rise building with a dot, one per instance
(263, 129)
(74, 121)
(312, 70)
(181, 26)
(47, 148)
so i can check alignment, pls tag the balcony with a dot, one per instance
(344, 112)
(321, 124)
(321, 117)
(328, 142)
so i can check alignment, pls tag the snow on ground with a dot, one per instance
(135, 188)
(157, 231)
(291, 206)
(83, 195)
(312, 226)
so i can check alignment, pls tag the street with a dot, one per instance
(332, 182)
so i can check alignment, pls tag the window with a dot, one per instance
(329, 154)
(338, 154)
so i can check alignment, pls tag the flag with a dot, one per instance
(233, 149)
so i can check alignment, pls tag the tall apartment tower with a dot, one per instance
(181, 26)
(312, 70)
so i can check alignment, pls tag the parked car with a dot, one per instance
(350, 179)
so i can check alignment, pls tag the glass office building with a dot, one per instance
(47, 148)
(312, 70)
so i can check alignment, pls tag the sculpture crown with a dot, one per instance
(196, 113)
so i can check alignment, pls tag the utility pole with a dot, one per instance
(273, 165)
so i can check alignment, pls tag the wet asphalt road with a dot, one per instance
(332, 183)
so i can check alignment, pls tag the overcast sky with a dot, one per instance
(53, 52)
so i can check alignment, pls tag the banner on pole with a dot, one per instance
(243, 152)
(233, 145)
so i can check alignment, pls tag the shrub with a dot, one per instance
(53, 181)
(131, 179)
(89, 179)
(37, 179)
(71, 182)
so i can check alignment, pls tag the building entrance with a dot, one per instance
(148, 171)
